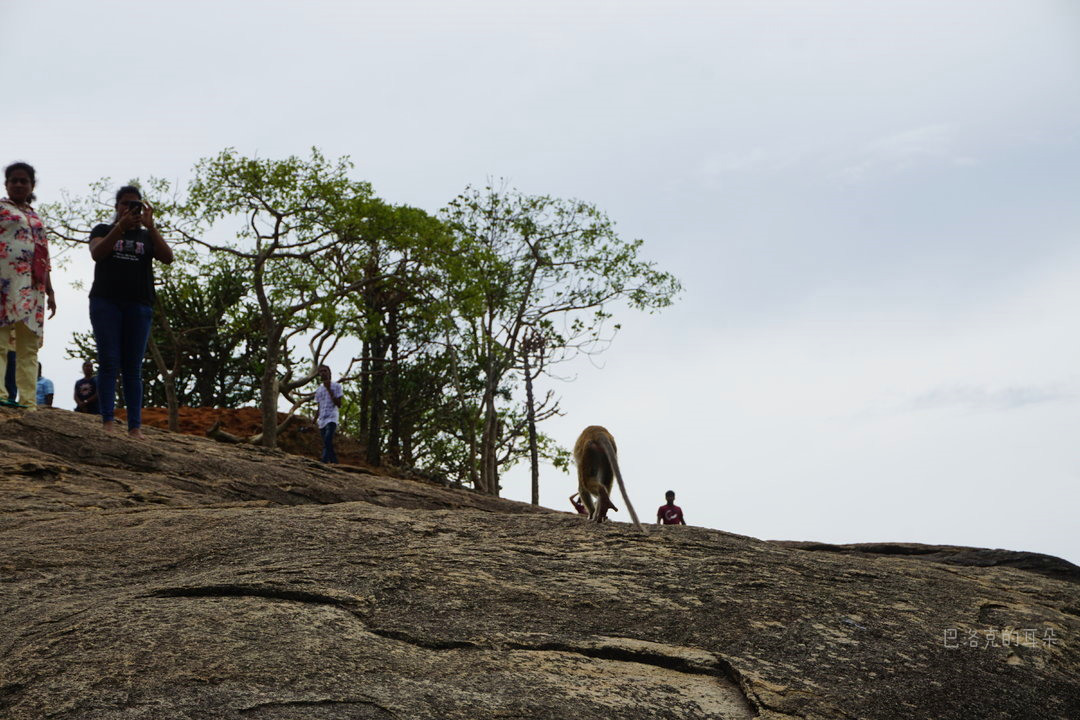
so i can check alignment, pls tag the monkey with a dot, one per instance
(597, 462)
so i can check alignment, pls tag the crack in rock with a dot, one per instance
(428, 644)
(657, 659)
(346, 602)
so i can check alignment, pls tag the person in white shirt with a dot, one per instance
(328, 395)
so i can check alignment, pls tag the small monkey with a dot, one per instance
(597, 463)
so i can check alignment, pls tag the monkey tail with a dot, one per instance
(609, 450)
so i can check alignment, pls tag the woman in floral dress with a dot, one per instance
(25, 283)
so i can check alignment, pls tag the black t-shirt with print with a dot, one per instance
(87, 387)
(128, 272)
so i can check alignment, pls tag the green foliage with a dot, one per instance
(207, 328)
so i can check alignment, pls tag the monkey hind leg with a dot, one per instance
(604, 504)
(587, 501)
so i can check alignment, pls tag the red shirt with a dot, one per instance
(670, 515)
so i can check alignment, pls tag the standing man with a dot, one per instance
(328, 395)
(45, 390)
(86, 399)
(670, 514)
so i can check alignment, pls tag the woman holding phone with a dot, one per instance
(122, 301)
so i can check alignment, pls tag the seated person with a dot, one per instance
(45, 389)
(86, 396)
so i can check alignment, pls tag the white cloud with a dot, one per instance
(929, 145)
(982, 399)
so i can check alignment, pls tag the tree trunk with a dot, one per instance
(467, 418)
(168, 379)
(268, 384)
(206, 383)
(378, 381)
(534, 454)
(407, 457)
(174, 406)
(489, 443)
(394, 399)
(474, 475)
(268, 393)
(367, 406)
(268, 398)
(365, 388)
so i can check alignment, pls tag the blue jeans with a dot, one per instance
(121, 328)
(327, 432)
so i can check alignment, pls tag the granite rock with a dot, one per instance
(181, 578)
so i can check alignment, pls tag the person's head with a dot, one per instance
(670, 496)
(19, 181)
(125, 196)
(88, 368)
(324, 373)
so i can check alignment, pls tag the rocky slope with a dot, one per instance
(299, 437)
(181, 578)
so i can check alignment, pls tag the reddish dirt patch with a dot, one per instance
(301, 437)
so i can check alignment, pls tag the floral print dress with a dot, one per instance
(22, 233)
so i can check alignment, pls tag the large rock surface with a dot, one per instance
(180, 578)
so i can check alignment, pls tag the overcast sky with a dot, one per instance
(873, 207)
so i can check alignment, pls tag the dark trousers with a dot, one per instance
(9, 377)
(327, 432)
(121, 328)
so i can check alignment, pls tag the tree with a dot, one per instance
(295, 242)
(532, 345)
(395, 315)
(205, 334)
(542, 265)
